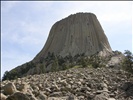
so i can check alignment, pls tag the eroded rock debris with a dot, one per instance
(72, 84)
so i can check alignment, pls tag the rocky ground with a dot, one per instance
(71, 84)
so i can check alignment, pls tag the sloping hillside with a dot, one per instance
(72, 84)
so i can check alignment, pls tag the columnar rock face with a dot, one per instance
(77, 34)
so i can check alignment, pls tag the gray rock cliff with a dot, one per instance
(77, 34)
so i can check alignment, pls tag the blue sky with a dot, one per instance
(25, 25)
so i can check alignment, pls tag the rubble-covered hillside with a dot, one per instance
(73, 84)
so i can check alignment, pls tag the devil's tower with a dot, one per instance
(77, 34)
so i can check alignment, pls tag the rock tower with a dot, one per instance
(77, 34)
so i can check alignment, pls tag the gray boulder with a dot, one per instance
(102, 96)
(2, 96)
(9, 89)
(21, 96)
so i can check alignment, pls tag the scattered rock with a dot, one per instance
(18, 96)
(23, 87)
(42, 96)
(2, 96)
(71, 97)
(57, 98)
(56, 94)
(111, 99)
(102, 96)
(72, 84)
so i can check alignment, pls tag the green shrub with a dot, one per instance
(6, 76)
(10, 75)
(83, 62)
(127, 63)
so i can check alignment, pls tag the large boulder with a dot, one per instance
(102, 96)
(72, 97)
(9, 89)
(21, 96)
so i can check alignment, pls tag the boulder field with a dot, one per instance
(72, 84)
